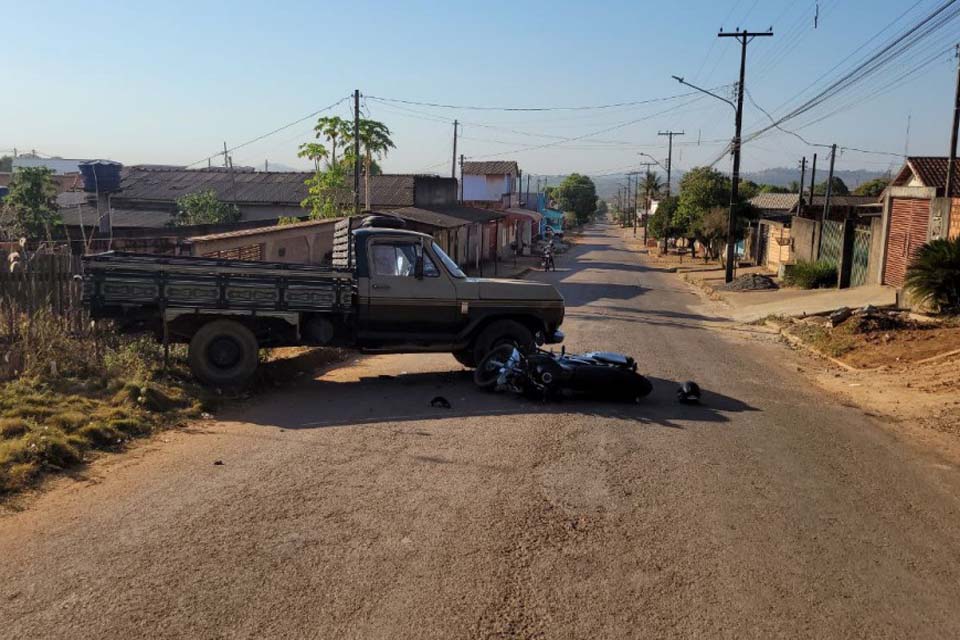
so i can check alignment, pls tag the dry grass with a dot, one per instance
(68, 397)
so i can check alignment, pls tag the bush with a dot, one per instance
(933, 276)
(811, 275)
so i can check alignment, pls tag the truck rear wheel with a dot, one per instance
(503, 332)
(223, 353)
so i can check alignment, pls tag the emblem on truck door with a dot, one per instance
(464, 308)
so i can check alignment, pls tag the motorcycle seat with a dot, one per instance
(608, 357)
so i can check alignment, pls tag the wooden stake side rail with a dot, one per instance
(116, 284)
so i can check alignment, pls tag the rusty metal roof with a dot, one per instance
(490, 168)
(446, 217)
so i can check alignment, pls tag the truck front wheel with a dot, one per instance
(223, 353)
(503, 332)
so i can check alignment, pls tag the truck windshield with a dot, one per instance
(449, 263)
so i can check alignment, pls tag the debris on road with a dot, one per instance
(218, 463)
(750, 282)
(440, 403)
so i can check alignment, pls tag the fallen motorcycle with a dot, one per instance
(546, 375)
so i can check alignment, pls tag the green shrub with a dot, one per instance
(811, 275)
(933, 276)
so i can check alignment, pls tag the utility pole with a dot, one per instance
(803, 176)
(453, 165)
(356, 152)
(461, 178)
(813, 178)
(636, 203)
(744, 38)
(826, 199)
(669, 135)
(228, 163)
(951, 171)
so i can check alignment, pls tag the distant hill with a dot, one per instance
(783, 176)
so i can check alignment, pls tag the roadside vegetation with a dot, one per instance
(64, 397)
(807, 274)
(933, 277)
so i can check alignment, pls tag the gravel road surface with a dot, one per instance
(347, 507)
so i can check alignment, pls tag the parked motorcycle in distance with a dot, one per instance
(547, 375)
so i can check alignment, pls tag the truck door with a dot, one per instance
(400, 303)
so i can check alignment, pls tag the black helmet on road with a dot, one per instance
(689, 392)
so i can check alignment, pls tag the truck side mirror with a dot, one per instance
(418, 267)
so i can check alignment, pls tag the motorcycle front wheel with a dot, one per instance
(488, 370)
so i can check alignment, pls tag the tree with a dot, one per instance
(375, 142)
(578, 194)
(601, 207)
(30, 208)
(660, 223)
(203, 208)
(872, 188)
(773, 188)
(651, 187)
(6, 164)
(313, 151)
(839, 188)
(334, 129)
(701, 190)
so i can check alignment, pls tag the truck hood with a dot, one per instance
(497, 289)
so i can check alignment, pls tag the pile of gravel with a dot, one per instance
(750, 282)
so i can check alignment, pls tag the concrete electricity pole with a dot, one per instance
(453, 165)
(803, 176)
(669, 135)
(951, 172)
(744, 37)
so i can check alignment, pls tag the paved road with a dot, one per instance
(347, 507)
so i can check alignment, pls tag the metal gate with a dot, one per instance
(832, 241)
(861, 256)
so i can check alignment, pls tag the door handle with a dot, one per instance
(380, 286)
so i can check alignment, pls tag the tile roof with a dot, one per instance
(490, 168)
(777, 201)
(844, 201)
(446, 217)
(248, 187)
(931, 171)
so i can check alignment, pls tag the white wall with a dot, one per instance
(486, 188)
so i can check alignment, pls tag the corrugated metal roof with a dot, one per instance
(86, 215)
(490, 168)
(249, 187)
(261, 230)
(446, 217)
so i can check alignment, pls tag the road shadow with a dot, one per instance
(328, 403)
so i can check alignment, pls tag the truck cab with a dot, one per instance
(411, 296)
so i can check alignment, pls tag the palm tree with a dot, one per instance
(651, 187)
(375, 142)
(314, 151)
(333, 128)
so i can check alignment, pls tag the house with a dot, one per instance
(775, 205)
(491, 183)
(916, 210)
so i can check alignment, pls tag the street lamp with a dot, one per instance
(735, 178)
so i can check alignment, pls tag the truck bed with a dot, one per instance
(116, 283)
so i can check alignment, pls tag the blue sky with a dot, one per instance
(170, 82)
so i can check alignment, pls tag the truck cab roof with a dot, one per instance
(363, 232)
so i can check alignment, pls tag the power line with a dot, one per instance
(267, 135)
(489, 108)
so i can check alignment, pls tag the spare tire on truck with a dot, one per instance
(223, 353)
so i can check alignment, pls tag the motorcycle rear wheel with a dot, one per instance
(486, 374)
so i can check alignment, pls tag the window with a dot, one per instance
(400, 260)
(449, 263)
